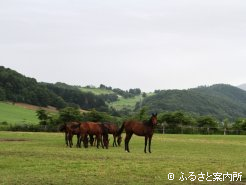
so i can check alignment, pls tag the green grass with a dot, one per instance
(121, 103)
(128, 103)
(118, 105)
(125, 103)
(14, 114)
(96, 91)
(42, 158)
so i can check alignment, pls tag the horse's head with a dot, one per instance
(153, 119)
(85, 142)
(62, 128)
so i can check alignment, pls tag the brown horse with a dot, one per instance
(113, 129)
(70, 129)
(92, 128)
(139, 128)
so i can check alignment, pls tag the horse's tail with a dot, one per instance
(121, 129)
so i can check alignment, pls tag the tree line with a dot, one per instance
(171, 122)
(16, 87)
(220, 101)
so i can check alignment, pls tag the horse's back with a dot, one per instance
(73, 127)
(137, 127)
(91, 128)
(112, 128)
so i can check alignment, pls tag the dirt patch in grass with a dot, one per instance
(34, 107)
(15, 139)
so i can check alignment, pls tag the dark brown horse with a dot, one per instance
(92, 128)
(113, 129)
(139, 128)
(70, 129)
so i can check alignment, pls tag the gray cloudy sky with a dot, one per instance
(157, 44)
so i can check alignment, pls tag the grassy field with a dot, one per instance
(118, 105)
(125, 103)
(96, 91)
(121, 102)
(42, 158)
(13, 114)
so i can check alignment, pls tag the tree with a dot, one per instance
(240, 124)
(177, 118)
(96, 116)
(42, 116)
(69, 114)
(207, 122)
(143, 113)
(144, 95)
(2, 94)
(135, 92)
(225, 125)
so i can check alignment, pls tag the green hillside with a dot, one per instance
(16, 87)
(96, 91)
(128, 103)
(221, 101)
(122, 101)
(13, 114)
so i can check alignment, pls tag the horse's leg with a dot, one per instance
(66, 139)
(127, 140)
(114, 142)
(150, 137)
(78, 138)
(70, 140)
(105, 140)
(84, 139)
(98, 139)
(91, 139)
(145, 143)
(101, 141)
(94, 141)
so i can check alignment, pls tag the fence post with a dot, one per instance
(163, 128)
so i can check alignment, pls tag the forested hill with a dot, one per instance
(221, 101)
(18, 88)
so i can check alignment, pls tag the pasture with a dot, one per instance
(125, 102)
(13, 114)
(42, 158)
(96, 91)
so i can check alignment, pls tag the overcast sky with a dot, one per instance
(157, 44)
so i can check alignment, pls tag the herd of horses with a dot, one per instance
(97, 133)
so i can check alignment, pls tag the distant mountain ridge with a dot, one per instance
(220, 100)
(242, 86)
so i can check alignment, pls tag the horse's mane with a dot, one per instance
(147, 122)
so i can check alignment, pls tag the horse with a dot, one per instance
(140, 128)
(70, 129)
(92, 140)
(113, 129)
(92, 128)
